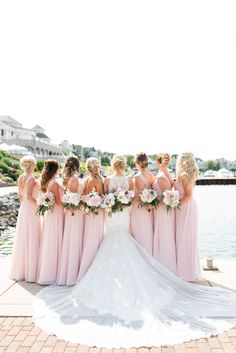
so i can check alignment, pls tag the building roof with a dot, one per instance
(37, 127)
(9, 118)
(42, 135)
(5, 126)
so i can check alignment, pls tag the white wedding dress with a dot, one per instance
(127, 299)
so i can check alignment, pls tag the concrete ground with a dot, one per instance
(19, 335)
(4, 190)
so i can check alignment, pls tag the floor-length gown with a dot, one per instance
(27, 239)
(188, 262)
(164, 247)
(51, 242)
(92, 238)
(71, 252)
(141, 222)
(127, 299)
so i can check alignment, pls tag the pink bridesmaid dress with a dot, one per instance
(93, 235)
(188, 263)
(26, 245)
(72, 246)
(141, 222)
(51, 242)
(164, 247)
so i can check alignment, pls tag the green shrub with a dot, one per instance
(11, 162)
(8, 155)
(8, 180)
(9, 166)
(5, 169)
(82, 167)
(40, 164)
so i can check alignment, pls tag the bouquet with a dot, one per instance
(148, 198)
(123, 199)
(115, 202)
(92, 202)
(109, 203)
(72, 200)
(45, 202)
(171, 200)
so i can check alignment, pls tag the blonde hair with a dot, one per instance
(30, 160)
(186, 165)
(93, 165)
(118, 162)
(162, 156)
(141, 159)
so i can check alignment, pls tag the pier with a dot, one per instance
(18, 334)
(216, 181)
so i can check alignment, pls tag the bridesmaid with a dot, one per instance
(73, 231)
(141, 219)
(164, 249)
(52, 226)
(188, 264)
(93, 225)
(26, 244)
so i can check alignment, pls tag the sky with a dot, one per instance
(123, 76)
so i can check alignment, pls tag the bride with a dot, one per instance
(127, 299)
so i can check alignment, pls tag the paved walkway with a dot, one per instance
(4, 190)
(19, 335)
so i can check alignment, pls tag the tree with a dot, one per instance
(152, 156)
(130, 160)
(105, 160)
(217, 165)
(210, 165)
(77, 154)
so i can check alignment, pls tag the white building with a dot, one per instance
(40, 134)
(66, 146)
(34, 140)
(11, 129)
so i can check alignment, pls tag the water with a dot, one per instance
(217, 222)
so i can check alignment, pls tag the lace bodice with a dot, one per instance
(118, 182)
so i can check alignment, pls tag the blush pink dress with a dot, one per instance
(51, 242)
(27, 239)
(141, 222)
(72, 246)
(93, 235)
(188, 263)
(164, 247)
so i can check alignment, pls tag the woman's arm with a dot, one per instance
(131, 185)
(188, 190)
(106, 185)
(163, 184)
(99, 186)
(85, 187)
(135, 188)
(19, 183)
(29, 190)
(152, 178)
(55, 190)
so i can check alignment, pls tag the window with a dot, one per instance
(2, 132)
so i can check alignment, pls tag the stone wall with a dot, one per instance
(9, 207)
